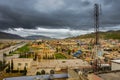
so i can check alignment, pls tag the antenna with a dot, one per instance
(97, 13)
(96, 23)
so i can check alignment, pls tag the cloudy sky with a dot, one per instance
(57, 18)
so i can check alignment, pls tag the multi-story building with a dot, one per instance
(21, 63)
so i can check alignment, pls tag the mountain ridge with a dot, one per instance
(34, 37)
(4, 35)
(112, 34)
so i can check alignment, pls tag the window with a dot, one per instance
(26, 64)
(19, 64)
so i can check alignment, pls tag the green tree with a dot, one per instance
(69, 51)
(25, 71)
(12, 64)
(38, 73)
(8, 69)
(43, 72)
(1, 65)
(4, 54)
(56, 49)
(52, 72)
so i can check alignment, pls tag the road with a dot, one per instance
(11, 48)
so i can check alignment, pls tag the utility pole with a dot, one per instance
(3, 61)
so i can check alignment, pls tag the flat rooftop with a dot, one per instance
(116, 61)
(110, 76)
(22, 59)
(64, 63)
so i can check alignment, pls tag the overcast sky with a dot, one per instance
(57, 18)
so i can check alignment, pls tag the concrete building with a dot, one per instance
(113, 75)
(57, 65)
(20, 63)
(45, 52)
(115, 65)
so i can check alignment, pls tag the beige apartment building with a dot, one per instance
(21, 63)
(115, 65)
(46, 53)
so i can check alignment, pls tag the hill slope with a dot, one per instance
(34, 37)
(4, 35)
(104, 35)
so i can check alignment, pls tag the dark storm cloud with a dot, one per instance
(56, 13)
(20, 18)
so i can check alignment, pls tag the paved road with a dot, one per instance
(11, 48)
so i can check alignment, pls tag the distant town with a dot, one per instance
(61, 59)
